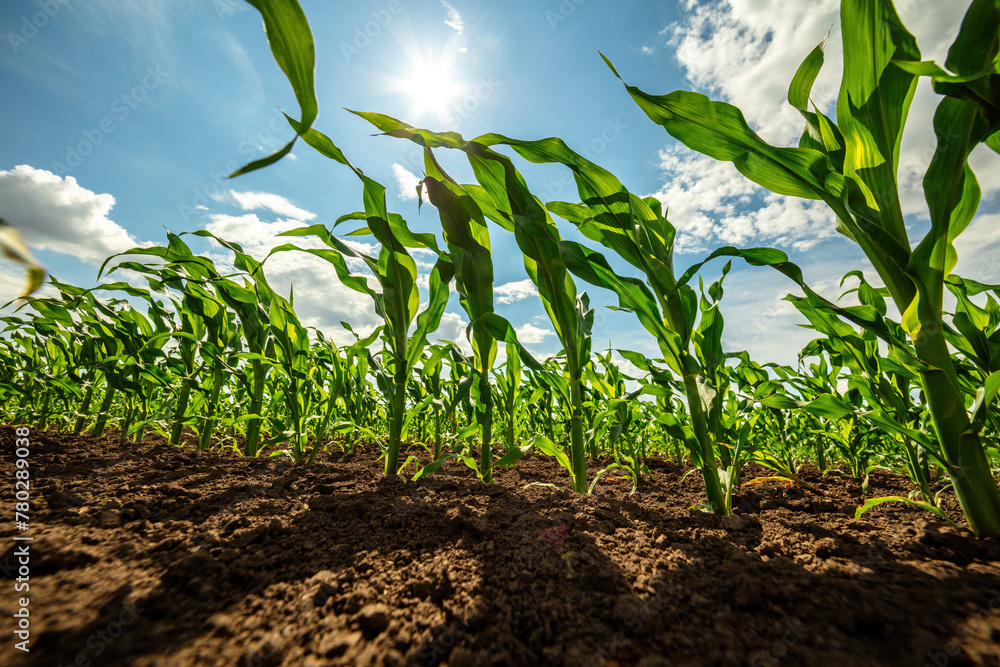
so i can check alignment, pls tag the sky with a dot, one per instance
(123, 118)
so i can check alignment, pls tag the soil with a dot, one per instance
(153, 555)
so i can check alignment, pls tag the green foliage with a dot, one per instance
(210, 358)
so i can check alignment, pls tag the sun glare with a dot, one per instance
(432, 87)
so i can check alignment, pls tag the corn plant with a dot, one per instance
(851, 164)
(398, 300)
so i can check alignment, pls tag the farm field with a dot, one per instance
(739, 411)
(237, 561)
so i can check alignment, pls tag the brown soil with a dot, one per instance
(151, 555)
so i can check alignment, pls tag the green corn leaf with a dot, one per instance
(400, 229)
(802, 82)
(984, 399)
(291, 42)
(413, 412)
(538, 238)
(434, 466)
(953, 195)
(718, 130)
(467, 431)
(873, 103)
(826, 405)
(978, 43)
(429, 320)
(396, 128)
(872, 502)
(549, 448)
(513, 456)
(468, 243)
(502, 330)
(264, 162)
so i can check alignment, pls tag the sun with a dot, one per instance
(433, 87)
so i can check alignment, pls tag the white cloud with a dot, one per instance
(452, 328)
(516, 291)
(321, 300)
(746, 53)
(529, 334)
(454, 20)
(979, 250)
(55, 213)
(252, 201)
(457, 24)
(712, 204)
(227, 8)
(406, 181)
(647, 50)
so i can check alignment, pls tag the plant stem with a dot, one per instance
(252, 441)
(206, 434)
(486, 419)
(577, 446)
(81, 420)
(398, 412)
(709, 468)
(970, 470)
(178, 421)
(102, 417)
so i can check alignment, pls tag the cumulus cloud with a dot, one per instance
(711, 203)
(452, 328)
(529, 334)
(979, 250)
(406, 181)
(321, 300)
(56, 213)
(516, 291)
(253, 201)
(745, 53)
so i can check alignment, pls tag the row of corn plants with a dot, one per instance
(214, 355)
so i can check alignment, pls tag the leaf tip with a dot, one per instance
(611, 66)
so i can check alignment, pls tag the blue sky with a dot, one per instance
(122, 118)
